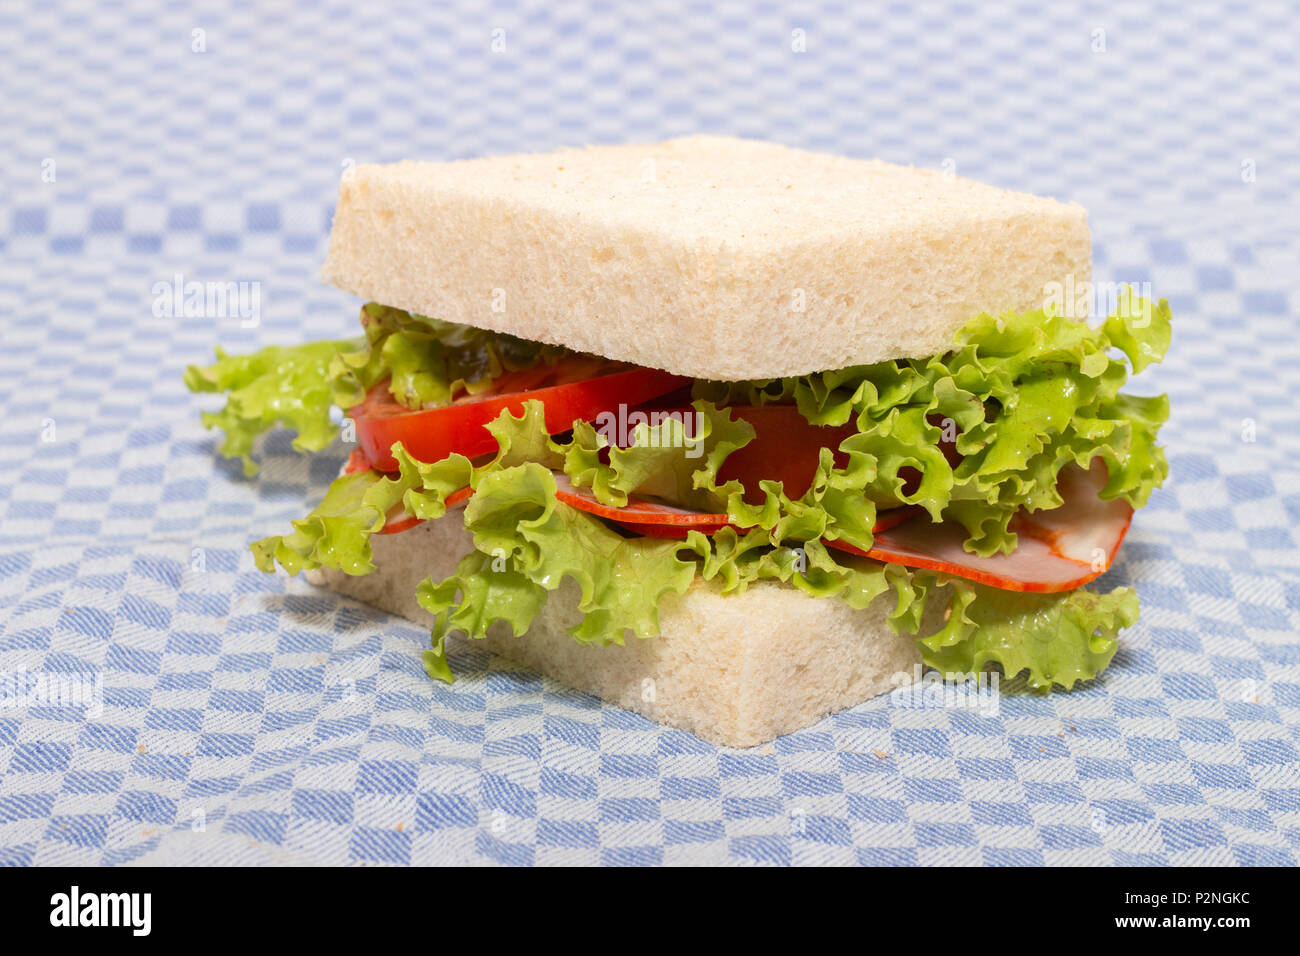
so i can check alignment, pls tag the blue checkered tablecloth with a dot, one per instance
(239, 718)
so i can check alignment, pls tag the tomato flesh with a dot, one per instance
(357, 461)
(576, 388)
(786, 448)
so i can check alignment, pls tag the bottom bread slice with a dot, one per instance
(738, 669)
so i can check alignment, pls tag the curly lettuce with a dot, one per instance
(427, 362)
(336, 534)
(280, 385)
(1052, 639)
(665, 459)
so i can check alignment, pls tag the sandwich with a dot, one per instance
(723, 432)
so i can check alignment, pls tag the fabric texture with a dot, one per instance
(234, 717)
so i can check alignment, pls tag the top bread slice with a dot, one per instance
(707, 256)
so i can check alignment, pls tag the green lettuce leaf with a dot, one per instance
(519, 525)
(485, 589)
(430, 363)
(669, 458)
(278, 385)
(680, 465)
(1053, 639)
(336, 534)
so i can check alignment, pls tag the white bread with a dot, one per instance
(738, 670)
(691, 255)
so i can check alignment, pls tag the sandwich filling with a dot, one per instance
(998, 478)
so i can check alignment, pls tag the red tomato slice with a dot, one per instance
(357, 461)
(785, 448)
(575, 388)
